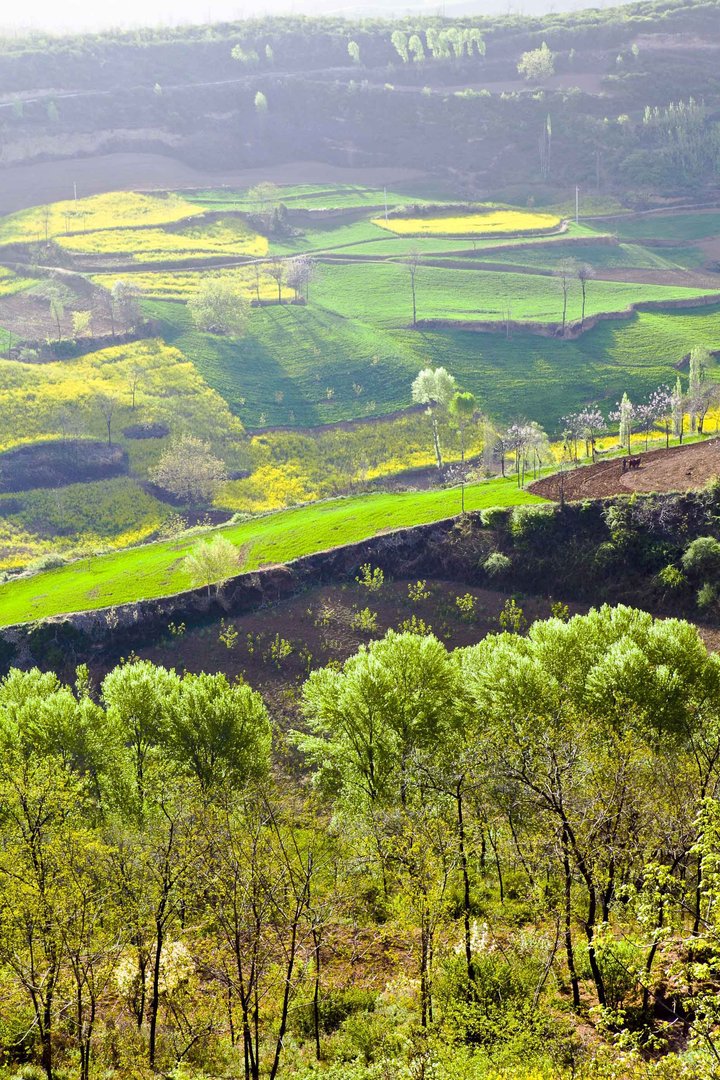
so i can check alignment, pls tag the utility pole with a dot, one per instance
(577, 205)
(385, 195)
(75, 190)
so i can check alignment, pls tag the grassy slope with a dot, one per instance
(381, 294)
(301, 352)
(157, 569)
(683, 228)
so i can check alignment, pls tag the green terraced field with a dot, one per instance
(681, 227)
(157, 569)
(380, 294)
(300, 353)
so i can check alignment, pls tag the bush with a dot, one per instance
(707, 595)
(671, 578)
(334, 1007)
(50, 561)
(365, 621)
(530, 524)
(702, 558)
(372, 579)
(497, 564)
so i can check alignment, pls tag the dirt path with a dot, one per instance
(681, 468)
(22, 186)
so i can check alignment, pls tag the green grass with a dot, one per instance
(300, 352)
(305, 197)
(680, 227)
(601, 257)
(157, 569)
(380, 294)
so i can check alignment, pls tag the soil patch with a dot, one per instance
(318, 627)
(28, 316)
(681, 468)
(49, 181)
(58, 463)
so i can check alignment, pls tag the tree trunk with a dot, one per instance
(155, 996)
(466, 879)
(569, 951)
(436, 441)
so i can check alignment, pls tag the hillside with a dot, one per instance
(360, 548)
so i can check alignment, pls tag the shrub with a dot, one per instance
(365, 621)
(512, 618)
(561, 611)
(372, 579)
(706, 595)
(530, 523)
(414, 625)
(50, 561)
(671, 578)
(280, 649)
(466, 606)
(418, 591)
(228, 634)
(702, 557)
(497, 564)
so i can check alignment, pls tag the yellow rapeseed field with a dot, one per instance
(114, 210)
(491, 222)
(226, 237)
(182, 284)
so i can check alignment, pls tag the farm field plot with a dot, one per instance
(182, 284)
(157, 569)
(11, 283)
(500, 221)
(306, 197)
(115, 210)
(680, 468)
(381, 294)
(39, 401)
(601, 257)
(281, 372)
(230, 237)
(680, 227)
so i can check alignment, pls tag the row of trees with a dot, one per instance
(530, 823)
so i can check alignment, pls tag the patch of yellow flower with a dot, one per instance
(34, 398)
(490, 222)
(227, 237)
(112, 210)
(182, 284)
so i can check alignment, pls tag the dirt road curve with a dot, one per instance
(681, 468)
(49, 181)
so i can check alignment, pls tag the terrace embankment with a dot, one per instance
(590, 551)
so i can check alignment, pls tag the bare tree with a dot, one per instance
(276, 270)
(107, 405)
(585, 273)
(413, 262)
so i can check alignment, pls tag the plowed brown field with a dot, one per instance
(680, 468)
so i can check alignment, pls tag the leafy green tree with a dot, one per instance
(219, 306)
(213, 563)
(217, 731)
(462, 409)
(134, 695)
(189, 470)
(536, 65)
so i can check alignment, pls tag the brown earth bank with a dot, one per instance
(22, 186)
(681, 468)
